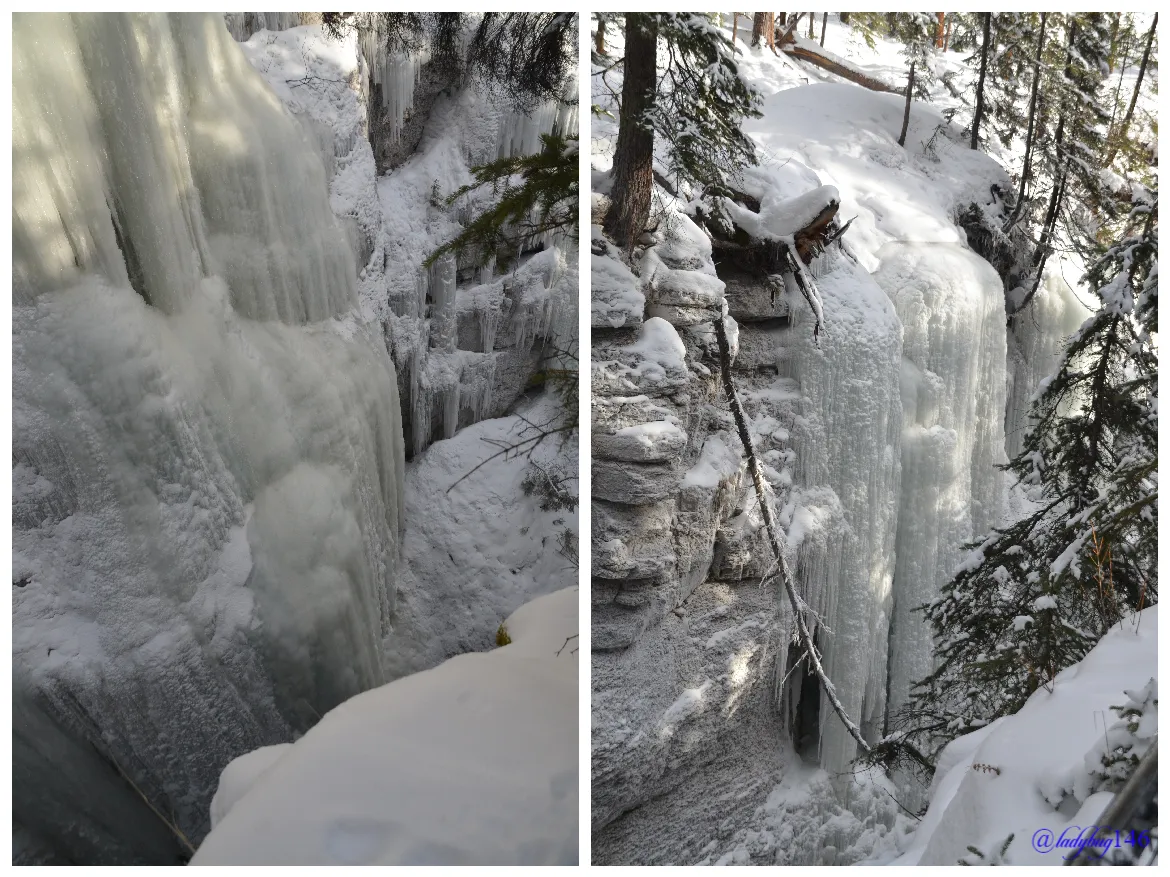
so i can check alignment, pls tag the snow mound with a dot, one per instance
(473, 762)
(1018, 775)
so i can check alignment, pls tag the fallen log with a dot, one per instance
(804, 53)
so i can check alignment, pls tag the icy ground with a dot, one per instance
(473, 762)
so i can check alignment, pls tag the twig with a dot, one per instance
(168, 823)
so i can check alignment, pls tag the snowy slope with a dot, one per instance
(476, 549)
(1027, 772)
(473, 762)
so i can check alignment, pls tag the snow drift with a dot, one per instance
(471, 763)
(1026, 773)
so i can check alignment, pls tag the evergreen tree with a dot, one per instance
(633, 160)
(527, 196)
(1034, 597)
(984, 56)
(693, 104)
(702, 100)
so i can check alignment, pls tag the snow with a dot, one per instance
(472, 762)
(684, 706)
(1042, 754)
(476, 550)
(717, 462)
(617, 299)
(659, 346)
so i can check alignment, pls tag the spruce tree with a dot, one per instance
(527, 198)
(702, 101)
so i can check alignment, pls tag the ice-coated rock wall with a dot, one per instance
(206, 437)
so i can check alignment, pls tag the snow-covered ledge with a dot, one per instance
(473, 762)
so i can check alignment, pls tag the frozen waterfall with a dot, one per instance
(847, 440)
(207, 479)
(953, 380)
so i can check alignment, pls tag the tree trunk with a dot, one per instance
(906, 117)
(1028, 143)
(600, 41)
(759, 23)
(786, 35)
(844, 17)
(1048, 230)
(1117, 91)
(1113, 31)
(824, 24)
(772, 31)
(938, 31)
(734, 26)
(947, 38)
(812, 25)
(633, 161)
(1136, 89)
(984, 52)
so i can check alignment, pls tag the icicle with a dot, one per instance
(395, 74)
(489, 322)
(451, 411)
(444, 325)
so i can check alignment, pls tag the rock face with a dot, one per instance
(682, 632)
(693, 662)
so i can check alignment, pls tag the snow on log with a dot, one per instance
(807, 50)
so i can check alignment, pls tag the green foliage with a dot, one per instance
(1127, 740)
(554, 484)
(503, 638)
(975, 856)
(529, 196)
(701, 101)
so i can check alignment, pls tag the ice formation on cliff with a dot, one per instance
(206, 435)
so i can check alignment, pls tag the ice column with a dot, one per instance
(442, 314)
(847, 438)
(1036, 342)
(954, 377)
